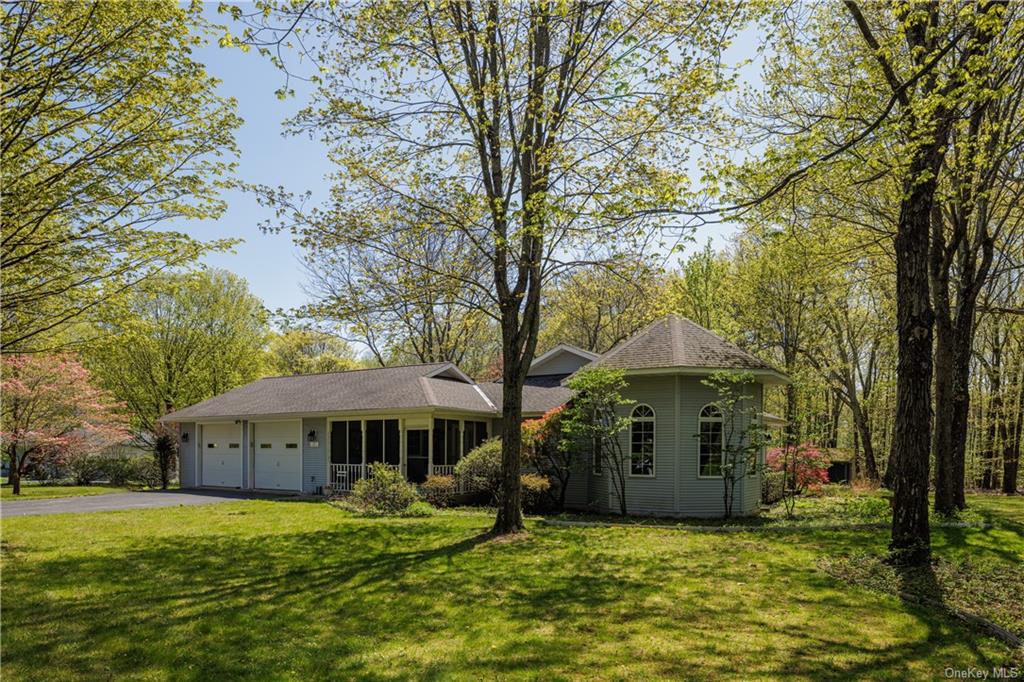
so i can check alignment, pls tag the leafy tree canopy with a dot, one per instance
(110, 128)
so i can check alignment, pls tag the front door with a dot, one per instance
(417, 451)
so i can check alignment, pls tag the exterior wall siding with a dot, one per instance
(246, 455)
(314, 459)
(187, 455)
(675, 489)
(577, 491)
(655, 494)
(704, 496)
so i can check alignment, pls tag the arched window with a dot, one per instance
(641, 448)
(710, 448)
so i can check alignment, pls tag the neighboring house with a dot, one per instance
(302, 433)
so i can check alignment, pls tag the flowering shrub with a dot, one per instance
(535, 489)
(805, 465)
(439, 490)
(541, 434)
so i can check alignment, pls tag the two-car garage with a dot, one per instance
(274, 455)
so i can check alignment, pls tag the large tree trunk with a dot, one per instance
(963, 341)
(510, 512)
(792, 432)
(911, 538)
(942, 441)
(1011, 453)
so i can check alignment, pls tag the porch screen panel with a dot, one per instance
(438, 436)
(374, 440)
(451, 441)
(417, 444)
(473, 434)
(392, 445)
(355, 442)
(446, 441)
(339, 442)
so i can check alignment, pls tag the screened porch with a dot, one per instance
(416, 446)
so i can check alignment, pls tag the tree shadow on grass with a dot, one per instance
(422, 599)
(231, 607)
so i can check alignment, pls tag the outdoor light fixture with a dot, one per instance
(311, 436)
(184, 437)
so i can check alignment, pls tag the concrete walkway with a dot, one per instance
(148, 499)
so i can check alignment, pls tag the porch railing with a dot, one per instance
(344, 476)
(449, 470)
(444, 470)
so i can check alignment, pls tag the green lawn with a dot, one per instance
(298, 589)
(44, 492)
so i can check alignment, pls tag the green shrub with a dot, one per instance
(439, 490)
(385, 491)
(117, 469)
(773, 486)
(535, 491)
(480, 470)
(146, 471)
(85, 468)
(122, 470)
(418, 509)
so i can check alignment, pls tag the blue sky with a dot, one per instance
(271, 263)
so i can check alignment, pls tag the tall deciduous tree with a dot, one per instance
(699, 290)
(51, 407)
(596, 308)
(403, 299)
(307, 351)
(180, 339)
(886, 108)
(980, 207)
(948, 59)
(109, 130)
(546, 134)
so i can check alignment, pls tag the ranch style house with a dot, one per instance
(310, 433)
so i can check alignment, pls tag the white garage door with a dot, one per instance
(278, 464)
(222, 455)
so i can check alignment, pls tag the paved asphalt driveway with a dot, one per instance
(119, 501)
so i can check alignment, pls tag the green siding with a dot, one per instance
(675, 489)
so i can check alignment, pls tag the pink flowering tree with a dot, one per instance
(51, 411)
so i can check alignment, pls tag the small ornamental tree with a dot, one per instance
(544, 448)
(51, 409)
(594, 416)
(803, 467)
(165, 451)
(743, 435)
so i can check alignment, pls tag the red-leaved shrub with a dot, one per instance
(805, 461)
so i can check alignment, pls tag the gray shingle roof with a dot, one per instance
(386, 388)
(380, 389)
(536, 399)
(675, 341)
